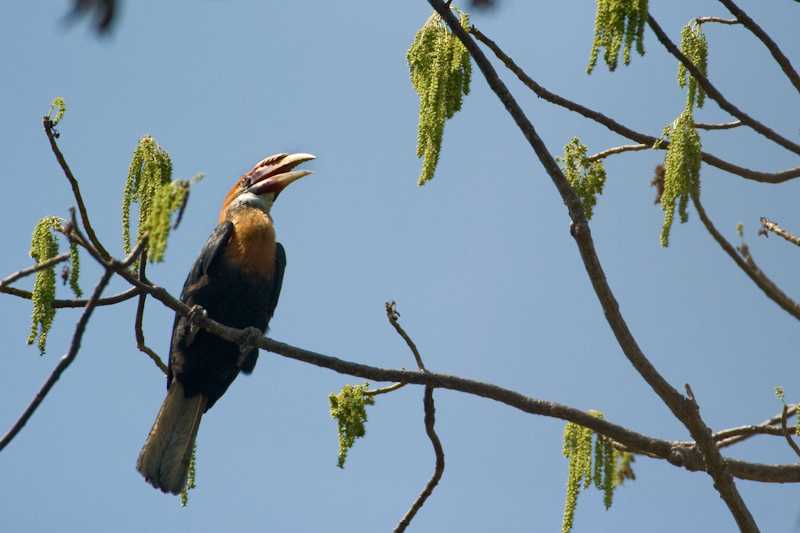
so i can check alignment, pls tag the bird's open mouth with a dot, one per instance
(274, 173)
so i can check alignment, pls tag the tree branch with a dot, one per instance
(721, 126)
(393, 316)
(76, 190)
(773, 48)
(59, 304)
(11, 278)
(718, 20)
(684, 409)
(67, 360)
(616, 127)
(748, 265)
(768, 225)
(138, 322)
(430, 418)
(717, 96)
(619, 150)
(787, 433)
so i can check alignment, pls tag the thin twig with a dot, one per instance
(616, 127)
(744, 260)
(76, 190)
(773, 48)
(717, 96)
(719, 126)
(430, 419)
(393, 316)
(718, 20)
(768, 225)
(67, 360)
(138, 322)
(619, 150)
(385, 390)
(787, 433)
(8, 280)
(731, 436)
(59, 304)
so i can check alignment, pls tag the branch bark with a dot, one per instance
(768, 225)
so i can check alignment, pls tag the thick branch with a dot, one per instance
(76, 190)
(717, 96)
(768, 225)
(787, 433)
(616, 127)
(773, 48)
(748, 266)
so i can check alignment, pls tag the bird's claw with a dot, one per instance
(248, 349)
(195, 316)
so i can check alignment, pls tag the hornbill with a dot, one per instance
(236, 281)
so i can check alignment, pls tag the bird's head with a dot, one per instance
(259, 187)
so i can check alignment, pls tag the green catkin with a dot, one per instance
(681, 171)
(74, 269)
(149, 184)
(695, 47)
(57, 109)
(44, 246)
(440, 70)
(191, 478)
(617, 22)
(587, 178)
(348, 407)
(609, 472)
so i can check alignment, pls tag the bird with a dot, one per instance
(236, 281)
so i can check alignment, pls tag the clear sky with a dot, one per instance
(480, 261)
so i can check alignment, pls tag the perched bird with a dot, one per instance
(236, 281)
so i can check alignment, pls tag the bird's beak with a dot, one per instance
(275, 173)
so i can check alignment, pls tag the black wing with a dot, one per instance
(198, 280)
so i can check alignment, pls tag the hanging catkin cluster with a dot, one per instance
(617, 21)
(349, 409)
(440, 71)
(586, 177)
(695, 47)
(603, 472)
(44, 246)
(191, 478)
(681, 171)
(149, 184)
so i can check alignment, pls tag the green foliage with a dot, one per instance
(586, 177)
(349, 409)
(695, 47)
(191, 478)
(150, 185)
(681, 171)
(44, 246)
(440, 71)
(617, 21)
(605, 472)
(59, 107)
(779, 394)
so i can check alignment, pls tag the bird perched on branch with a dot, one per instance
(236, 281)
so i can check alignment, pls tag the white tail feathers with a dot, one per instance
(164, 459)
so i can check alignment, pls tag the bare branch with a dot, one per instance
(773, 48)
(430, 418)
(619, 150)
(138, 323)
(76, 190)
(59, 304)
(67, 360)
(717, 96)
(787, 433)
(616, 127)
(8, 280)
(768, 225)
(748, 265)
(720, 126)
(393, 316)
(385, 390)
(718, 20)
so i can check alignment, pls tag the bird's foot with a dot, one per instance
(195, 316)
(248, 349)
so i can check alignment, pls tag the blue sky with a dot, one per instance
(480, 261)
